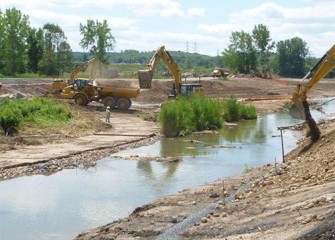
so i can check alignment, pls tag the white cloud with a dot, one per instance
(196, 12)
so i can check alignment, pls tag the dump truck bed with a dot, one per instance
(104, 91)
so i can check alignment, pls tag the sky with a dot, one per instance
(197, 26)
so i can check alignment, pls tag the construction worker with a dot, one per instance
(108, 114)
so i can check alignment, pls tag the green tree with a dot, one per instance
(98, 37)
(263, 44)
(65, 57)
(2, 34)
(291, 57)
(15, 31)
(35, 49)
(240, 56)
(52, 61)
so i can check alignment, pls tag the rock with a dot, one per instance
(204, 220)
(214, 195)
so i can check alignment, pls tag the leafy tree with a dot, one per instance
(240, 55)
(291, 57)
(15, 31)
(2, 34)
(65, 57)
(35, 49)
(262, 41)
(98, 37)
(52, 62)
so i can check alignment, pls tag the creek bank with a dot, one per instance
(291, 200)
(82, 160)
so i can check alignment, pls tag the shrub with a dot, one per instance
(188, 114)
(196, 113)
(232, 109)
(37, 111)
(248, 112)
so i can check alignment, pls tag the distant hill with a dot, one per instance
(184, 60)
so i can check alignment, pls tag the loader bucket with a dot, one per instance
(145, 79)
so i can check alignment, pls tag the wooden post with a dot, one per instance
(282, 143)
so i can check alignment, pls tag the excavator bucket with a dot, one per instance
(145, 78)
(297, 110)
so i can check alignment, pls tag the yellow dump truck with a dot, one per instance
(83, 92)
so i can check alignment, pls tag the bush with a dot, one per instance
(37, 111)
(176, 118)
(196, 113)
(248, 112)
(188, 114)
(232, 109)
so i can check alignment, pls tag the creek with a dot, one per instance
(62, 205)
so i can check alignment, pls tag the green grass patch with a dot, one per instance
(196, 113)
(38, 112)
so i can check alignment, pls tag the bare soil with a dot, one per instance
(291, 200)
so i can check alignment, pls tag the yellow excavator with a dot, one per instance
(300, 107)
(179, 88)
(58, 84)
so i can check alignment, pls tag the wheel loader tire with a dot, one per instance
(123, 103)
(81, 100)
(109, 101)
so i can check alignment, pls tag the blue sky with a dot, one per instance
(195, 25)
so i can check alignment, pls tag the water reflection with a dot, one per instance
(158, 179)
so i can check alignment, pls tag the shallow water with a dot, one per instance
(64, 204)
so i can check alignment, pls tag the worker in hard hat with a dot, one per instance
(108, 114)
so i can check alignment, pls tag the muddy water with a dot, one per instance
(62, 205)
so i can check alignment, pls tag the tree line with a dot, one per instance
(46, 51)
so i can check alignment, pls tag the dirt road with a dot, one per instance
(293, 200)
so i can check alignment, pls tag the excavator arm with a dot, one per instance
(145, 76)
(317, 72)
(57, 85)
(80, 68)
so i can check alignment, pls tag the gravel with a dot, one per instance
(173, 232)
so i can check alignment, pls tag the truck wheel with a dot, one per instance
(109, 101)
(81, 100)
(123, 103)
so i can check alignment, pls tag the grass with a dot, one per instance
(36, 112)
(196, 113)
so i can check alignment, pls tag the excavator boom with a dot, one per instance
(93, 62)
(145, 76)
(316, 73)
